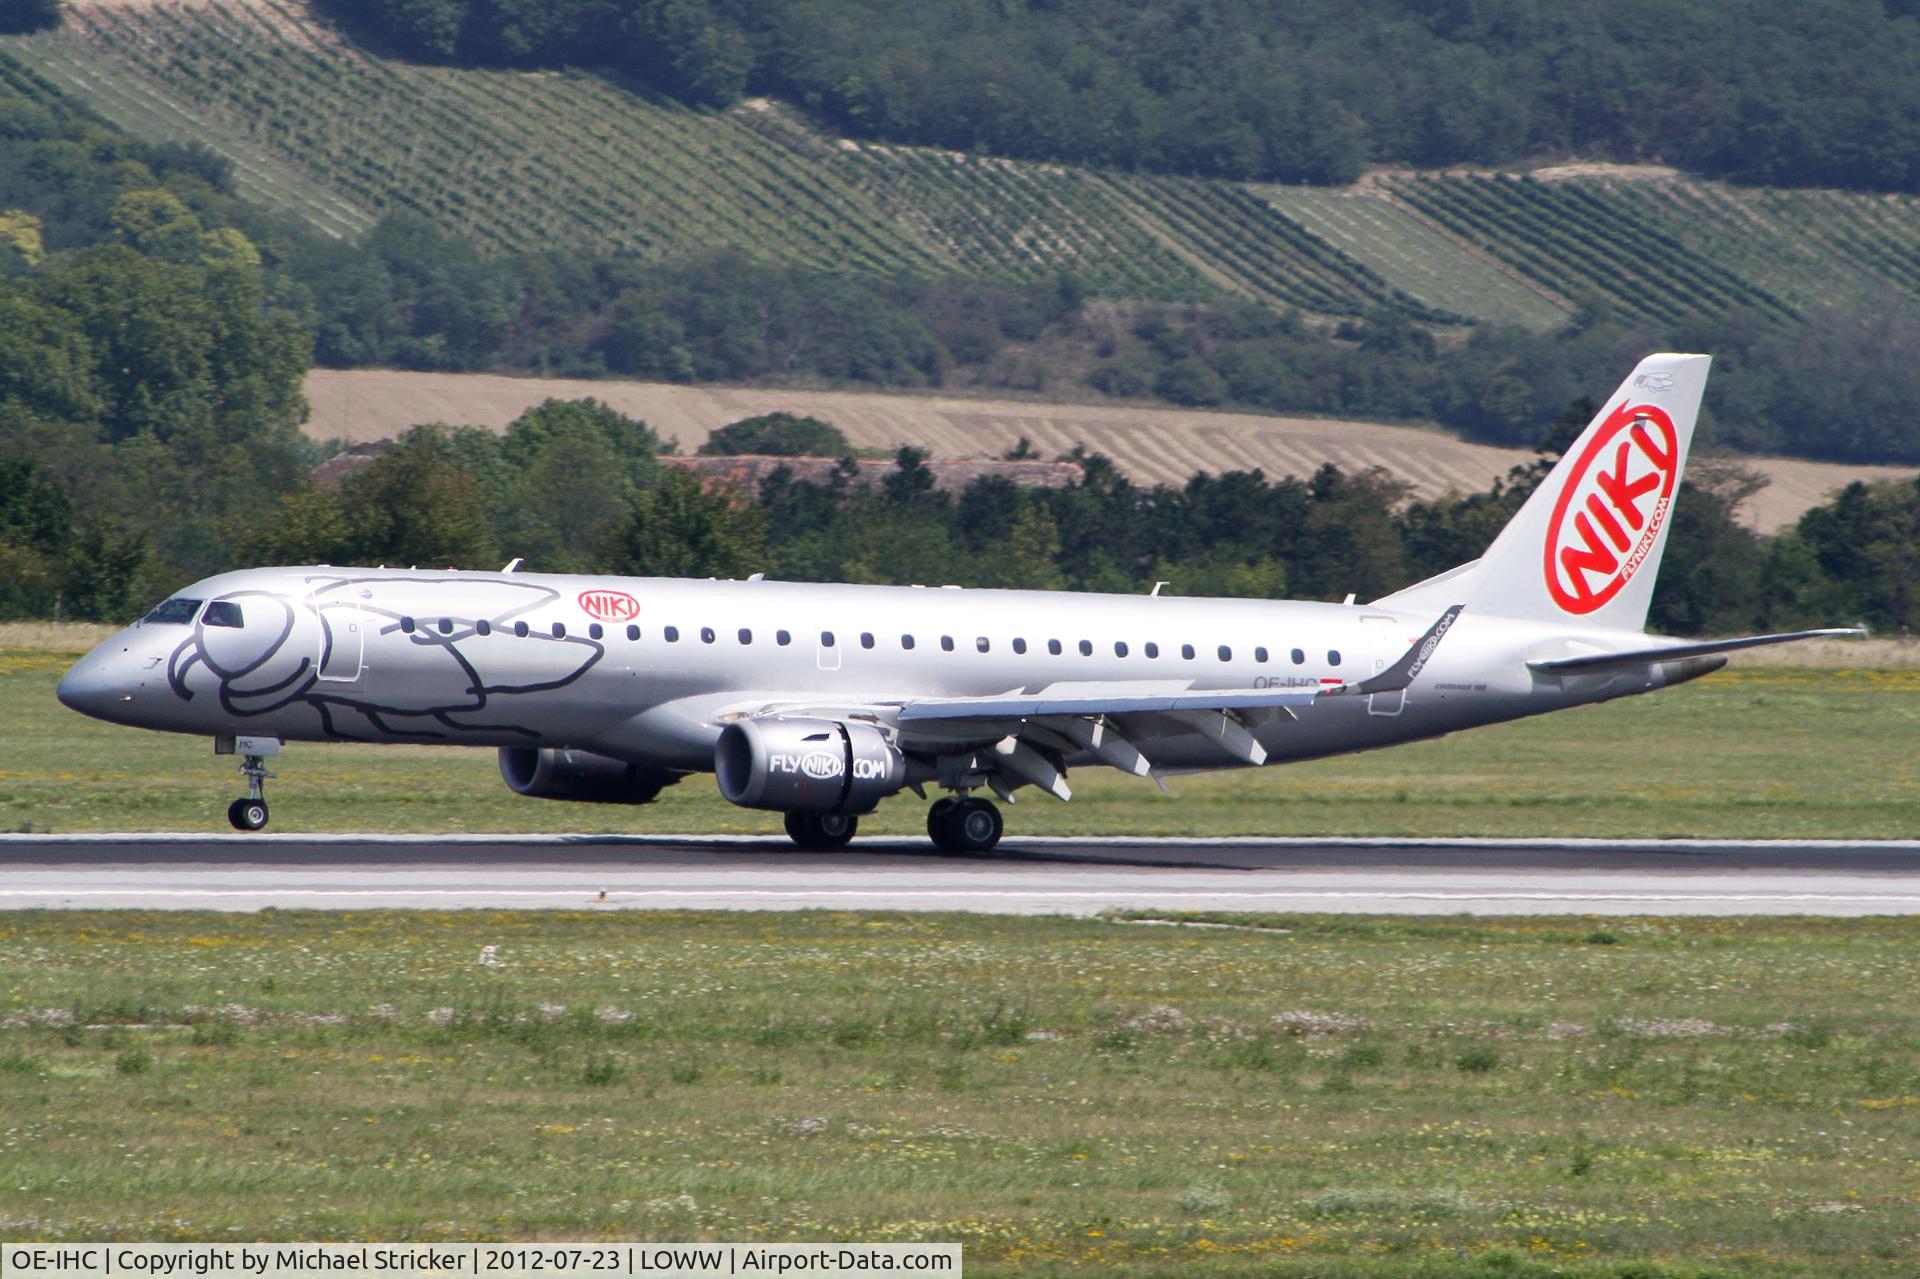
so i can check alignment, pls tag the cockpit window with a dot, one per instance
(222, 613)
(175, 612)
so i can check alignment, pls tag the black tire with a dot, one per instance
(248, 814)
(974, 826)
(821, 832)
(938, 819)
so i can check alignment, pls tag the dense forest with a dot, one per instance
(1783, 92)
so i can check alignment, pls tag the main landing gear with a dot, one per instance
(964, 824)
(956, 824)
(249, 812)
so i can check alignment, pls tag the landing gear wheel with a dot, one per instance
(822, 832)
(938, 818)
(973, 826)
(247, 814)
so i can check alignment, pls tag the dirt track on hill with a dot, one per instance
(1152, 445)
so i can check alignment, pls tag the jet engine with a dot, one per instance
(807, 765)
(581, 776)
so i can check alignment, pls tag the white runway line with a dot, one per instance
(176, 871)
(614, 896)
(877, 843)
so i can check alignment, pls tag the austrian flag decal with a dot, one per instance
(1610, 513)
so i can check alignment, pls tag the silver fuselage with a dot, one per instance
(523, 659)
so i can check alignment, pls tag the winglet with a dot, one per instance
(1403, 672)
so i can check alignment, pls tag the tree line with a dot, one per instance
(574, 486)
(1780, 92)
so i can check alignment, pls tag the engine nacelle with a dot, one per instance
(581, 776)
(807, 765)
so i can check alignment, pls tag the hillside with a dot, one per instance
(1151, 445)
(529, 160)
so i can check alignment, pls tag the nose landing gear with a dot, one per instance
(249, 812)
(964, 824)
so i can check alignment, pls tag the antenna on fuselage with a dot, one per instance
(513, 564)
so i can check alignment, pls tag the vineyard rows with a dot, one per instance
(1567, 237)
(1418, 257)
(258, 175)
(522, 161)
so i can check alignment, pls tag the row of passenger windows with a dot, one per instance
(867, 641)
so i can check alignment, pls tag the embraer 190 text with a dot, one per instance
(819, 701)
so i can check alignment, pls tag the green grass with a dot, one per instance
(1297, 1096)
(1754, 753)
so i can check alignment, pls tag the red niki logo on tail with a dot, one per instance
(1610, 513)
(610, 606)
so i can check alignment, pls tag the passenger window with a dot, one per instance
(673, 634)
(174, 612)
(981, 644)
(1333, 657)
(1153, 649)
(946, 643)
(866, 639)
(706, 635)
(782, 638)
(222, 613)
(594, 631)
(1053, 646)
(1186, 651)
(633, 632)
(746, 636)
(519, 628)
(1260, 655)
(1119, 648)
(1299, 657)
(1226, 654)
(559, 630)
(446, 624)
(826, 639)
(906, 641)
(406, 625)
(1019, 645)
(483, 627)
(1086, 648)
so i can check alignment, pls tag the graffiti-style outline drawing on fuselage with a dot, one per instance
(292, 678)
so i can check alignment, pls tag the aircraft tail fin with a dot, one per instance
(1586, 546)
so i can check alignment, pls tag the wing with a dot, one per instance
(1007, 739)
(1594, 663)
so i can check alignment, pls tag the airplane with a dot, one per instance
(819, 701)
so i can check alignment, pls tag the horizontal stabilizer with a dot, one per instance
(1674, 652)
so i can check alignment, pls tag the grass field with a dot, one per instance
(1752, 752)
(1308, 1097)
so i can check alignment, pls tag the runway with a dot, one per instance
(1026, 876)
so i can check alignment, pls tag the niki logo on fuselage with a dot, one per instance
(609, 606)
(1610, 512)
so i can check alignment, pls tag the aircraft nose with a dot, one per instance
(92, 688)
